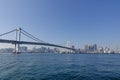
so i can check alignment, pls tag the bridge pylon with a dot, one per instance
(17, 38)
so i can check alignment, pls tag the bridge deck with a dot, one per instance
(32, 43)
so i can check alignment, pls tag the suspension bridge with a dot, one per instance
(17, 42)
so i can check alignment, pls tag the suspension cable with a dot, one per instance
(8, 32)
(24, 33)
(29, 37)
(32, 36)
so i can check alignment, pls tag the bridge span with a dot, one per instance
(32, 43)
(17, 42)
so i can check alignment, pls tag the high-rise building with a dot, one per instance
(86, 47)
(91, 48)
(95, 47)
(23, 49)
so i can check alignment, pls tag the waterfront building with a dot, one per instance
(56, 50)
(107, 50)
(6, 50)
(23, 49)
(101, 50)
(91, 48)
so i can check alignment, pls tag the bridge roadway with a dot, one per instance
(33, 43)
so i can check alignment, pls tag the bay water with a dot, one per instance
(51, 66)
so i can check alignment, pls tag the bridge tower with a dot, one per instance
(17, 38)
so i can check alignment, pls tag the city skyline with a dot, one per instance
(88, 49)
(81, 22)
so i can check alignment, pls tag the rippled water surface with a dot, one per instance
(59, 66)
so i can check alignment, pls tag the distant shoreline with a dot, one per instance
(54, 53)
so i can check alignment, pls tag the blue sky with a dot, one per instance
(58, 21)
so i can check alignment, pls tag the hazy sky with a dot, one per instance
(58, 21)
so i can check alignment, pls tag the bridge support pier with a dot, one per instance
(17, 50)
(17, 45)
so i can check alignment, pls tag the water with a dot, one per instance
(60, 67)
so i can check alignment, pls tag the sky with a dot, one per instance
(58, 21)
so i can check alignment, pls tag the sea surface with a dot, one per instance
(51, 66)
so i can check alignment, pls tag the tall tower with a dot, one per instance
(18, 38)
(69, 44)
